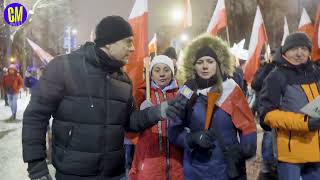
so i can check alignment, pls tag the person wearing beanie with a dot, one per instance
(288, 88)
(209, 133)
(90, 99)
(160, 159)
(12, 83)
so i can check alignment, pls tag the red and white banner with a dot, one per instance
(138, 20)
(305, 24)
(187, 20)
(44, 56)
(316, 38)
(285, 30)
(219, 18)
(152, 46)
(234, 102)
(257, 40)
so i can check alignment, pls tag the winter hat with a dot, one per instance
(296, 39)
(164, 60)
(111, 29)
(170, 52)
(206, 51)
(12, 66)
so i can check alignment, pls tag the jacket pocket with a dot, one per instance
(62, 133)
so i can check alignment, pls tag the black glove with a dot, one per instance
(203, 139)
(177, 107)
(38, 170)
(313, 123)
(46, 177)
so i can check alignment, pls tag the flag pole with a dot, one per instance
(147, 68)
(227, 30)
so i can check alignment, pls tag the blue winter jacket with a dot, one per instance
(204, 164)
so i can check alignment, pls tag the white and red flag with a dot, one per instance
(257, 40)
(305, 24)
(219, 18)
(285, 31)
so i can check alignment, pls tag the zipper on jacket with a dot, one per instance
(168, 146)
(289, 145)
(159, 125)
(105, 127)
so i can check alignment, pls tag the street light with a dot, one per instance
(184, 37)
(177, 15)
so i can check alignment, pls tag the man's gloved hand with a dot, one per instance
(46, 177)
(145, 104)
(177, 107)
(203, 139)
(38, 170)
(313, 123)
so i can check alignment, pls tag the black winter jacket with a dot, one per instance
(92, 108)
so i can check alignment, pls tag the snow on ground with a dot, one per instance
(12, 166)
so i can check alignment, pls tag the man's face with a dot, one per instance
(297, 55)
(120, 50)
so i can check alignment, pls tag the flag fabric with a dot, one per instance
(187, 20)
(238, 50)
(152, 46)
(138, 20)
(219, 18)
(234, 102)
(316, 38)
(285, 31)
(44, 56)
(305, 24)
(257, 40)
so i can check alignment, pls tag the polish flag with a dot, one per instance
(285, 30)
(257, 40)
(152, 46)
(234, 102)
(138, 20)
(305, 24)
(316, 38)
(219, 18)
(44, 56)
(187, 20)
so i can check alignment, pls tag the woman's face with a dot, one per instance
(206, 67)
(161, 74)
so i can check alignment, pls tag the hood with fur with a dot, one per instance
(225, 60)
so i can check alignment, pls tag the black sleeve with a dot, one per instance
(45, 98)
(140, 120)
(270, 95)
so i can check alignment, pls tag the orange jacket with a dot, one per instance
(12, 82)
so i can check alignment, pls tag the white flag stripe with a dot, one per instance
(258, 21)
(228, 87)
(305, 19)
(139, 8)
(285, 30)
(215, 17)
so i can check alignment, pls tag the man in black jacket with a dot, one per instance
(90, 99)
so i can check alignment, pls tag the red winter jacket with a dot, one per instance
(149, 161)
(12, 83)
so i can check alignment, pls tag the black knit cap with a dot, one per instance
(296, 39)
(111, 29)
(206, 51)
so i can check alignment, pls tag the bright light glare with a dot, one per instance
(184, 37)
(177, 15)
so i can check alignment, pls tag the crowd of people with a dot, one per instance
(207, 133)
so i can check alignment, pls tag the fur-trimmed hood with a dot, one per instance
(225, 59)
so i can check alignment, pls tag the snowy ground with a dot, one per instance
(12, 166)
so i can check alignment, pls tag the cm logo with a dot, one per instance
(15, 14)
